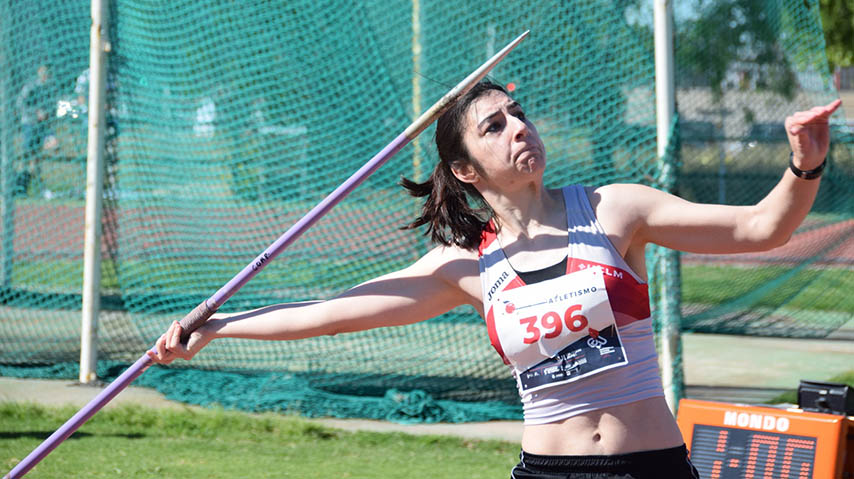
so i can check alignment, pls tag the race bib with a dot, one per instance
(559, 330)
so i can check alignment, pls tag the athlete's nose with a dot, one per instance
(521, 128)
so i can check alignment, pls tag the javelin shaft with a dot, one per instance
(203, 311)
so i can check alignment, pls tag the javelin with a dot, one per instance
(207, 308)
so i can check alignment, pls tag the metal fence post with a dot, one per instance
(99, 46)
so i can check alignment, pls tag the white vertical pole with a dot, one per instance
(416, 84)
(665, 95)
(7, 169)
(665, 98)
(99, 45)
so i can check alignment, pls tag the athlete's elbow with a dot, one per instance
(342, 327)
(770, 240)
(332, 327)
(333, 332)
(763, 235)
(781, 240)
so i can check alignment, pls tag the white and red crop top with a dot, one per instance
(578, 342)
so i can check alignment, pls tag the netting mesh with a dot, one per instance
(733, 150)
(227, 121)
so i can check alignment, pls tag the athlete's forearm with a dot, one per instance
(275, 322)
(403, 297)
(780, 213)
(284, 321)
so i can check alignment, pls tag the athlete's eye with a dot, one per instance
(493, 127)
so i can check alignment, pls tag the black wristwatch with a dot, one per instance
(806, 174)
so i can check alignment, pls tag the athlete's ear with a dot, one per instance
(465, 172)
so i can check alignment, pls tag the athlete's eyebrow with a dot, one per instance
(510, 106)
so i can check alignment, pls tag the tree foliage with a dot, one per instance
(837, 20)
(729, 43)
(735, 43)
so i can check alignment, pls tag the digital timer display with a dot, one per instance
(727, 453)
(739, 441)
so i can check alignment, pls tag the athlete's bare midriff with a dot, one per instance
(639, 426)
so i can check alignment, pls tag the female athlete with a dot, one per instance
(558, 276)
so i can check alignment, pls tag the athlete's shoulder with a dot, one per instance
(619, 195)
(622, 208)
(445, 254)
(621, 190)
(450, 263)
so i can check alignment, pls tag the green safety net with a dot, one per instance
(734, 150)
(228, 121)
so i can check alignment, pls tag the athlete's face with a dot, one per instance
(501, 140)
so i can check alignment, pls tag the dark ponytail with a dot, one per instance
(455, 213)
(450, 218)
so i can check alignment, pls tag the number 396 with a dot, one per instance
(552, 324)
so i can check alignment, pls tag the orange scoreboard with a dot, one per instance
(735, 441)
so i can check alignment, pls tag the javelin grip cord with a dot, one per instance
(194, 319)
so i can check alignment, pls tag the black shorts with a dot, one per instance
(670, 463)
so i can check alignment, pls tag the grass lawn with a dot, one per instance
(825, 289)
(132, 441)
